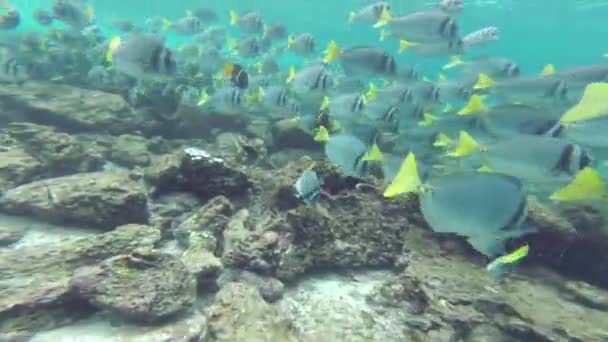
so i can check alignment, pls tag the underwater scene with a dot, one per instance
(303, 170)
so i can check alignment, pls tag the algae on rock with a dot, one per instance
(145, 286)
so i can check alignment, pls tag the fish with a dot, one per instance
(213, 35)
(73, 13)
(12, 71)
(11, 18)
(249, 23)
(465, 203)
(275, 31)
(344, 105)
(350, 154)
(248, 47)
(238, 75)
(142, 56)
(533, 158)
(448, 48)
(421, 27)
(43, 17)
(588, 185)
(510, 120)
(188, 25)
(226, 99)
(362, 60)
(302, 44)
(529, 89)
(308, 187)
(314, 78)
(123, 25)
(451, 7)
(481, 37)
(494, 66)
(369, 14)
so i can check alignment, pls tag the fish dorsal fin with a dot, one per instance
(549, 69)
(234, 18)
(484, 82)
(443, 140)
(475, 105)
(324, 103)
(372, 92)
(593, 104)
(322, 135)
(587, 185)
(406, 180)
(406, 44)
(374, 154)
(466, 145)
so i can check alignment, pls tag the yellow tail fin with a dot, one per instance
(484, 82)
(587, 185)
(322, 135)
(292, 74)
(385, 18)
(112, 47)
(332, 52)
(441, 77)
(404, 45)
(407, 179)
(234, 18)
(475, 105)
(443, 141)
(593, 104)
(454, 62)
(372, 92)
(466, 145)
(549, 69)
(203, 98)
(374, 154)
(324, 103)
(510, 258)
(427, 119)
(290, 41)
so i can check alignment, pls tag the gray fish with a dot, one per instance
(302, 44)
(43, 17)
(275, 32)
(308, 187)
(369, 14)
(424, 27)
(73, 13)
(248, 47)
(144, 57)
(205, 15)
(493, 66)
(363, 60)
(11, 71)
(467, 204)
(188, 25)
(314, 78)
(514, 119)
(250, 22)
(347, 152)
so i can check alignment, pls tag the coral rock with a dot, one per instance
(144, 286)
(98, 199)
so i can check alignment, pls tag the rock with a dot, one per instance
(130, 151)
(60, 153)
(240, 149)
(17, 167)
(35, 281)
(74, 109)
(203, 264)
(208, 222)
(239, 313)
(289, 133)
(145, 286)
(271, 289)
(461, 296)
(168, 211)
(97, 199)
(10, 235)
(198, 172)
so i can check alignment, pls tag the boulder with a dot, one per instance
(130, 151)
(10, 235)
(96, 199)
(240, 314)
(145, 286)
(17, 167)
(74, 109)
(36, 281)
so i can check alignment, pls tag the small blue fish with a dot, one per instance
(308, 187)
